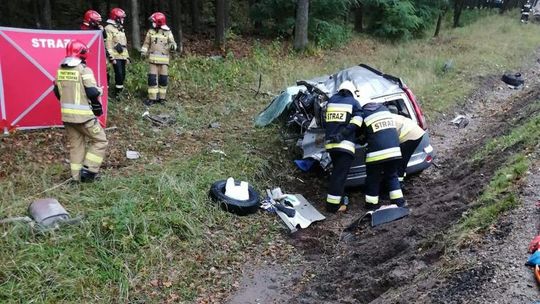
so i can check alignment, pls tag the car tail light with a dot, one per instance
(421, 119)
(429, 158)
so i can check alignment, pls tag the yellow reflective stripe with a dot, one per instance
(77, 112)
(374, 117)
(76, 167)
(87, 76)
(336, 107)
(372, 199)
(381, 157)
(357, 120)
(67, 75)
(159, 59)
(396, 194)
(162, 90)
(153, 90)
(333, 199)
(78, 94)
(401, 178)
(94, 158)
(346, 145)
(383, 154)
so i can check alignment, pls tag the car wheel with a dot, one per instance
(249, 206)
(513, 79)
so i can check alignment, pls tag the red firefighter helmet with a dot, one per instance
(158, 19)
(92, 17)
(76, 48)
(117, 14)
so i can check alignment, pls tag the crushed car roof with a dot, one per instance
(370, 84)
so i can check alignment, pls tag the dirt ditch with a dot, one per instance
(377, 263)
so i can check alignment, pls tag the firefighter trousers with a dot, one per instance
(158, 75)
(385, 172)
(341, 162)
(119, 73)
(407, 150)
(79, 155)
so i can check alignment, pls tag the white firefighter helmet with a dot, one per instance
(349, 86)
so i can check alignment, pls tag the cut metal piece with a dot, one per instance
(304, 215)
(387, 214)
(383, 215)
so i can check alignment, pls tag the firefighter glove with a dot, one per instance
(119, 48)
(335, 138)
(97, 109)
(173, 47)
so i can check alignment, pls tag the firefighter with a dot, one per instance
(343, 117)
(157, 45)
(116, 44)
(76, 88)
(410, 135)
(91, 21)
(383, 154)
(525, 12)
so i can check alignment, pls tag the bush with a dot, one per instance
(329, 35)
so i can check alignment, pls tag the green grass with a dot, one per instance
(524, 134)
(498, 197)
(150, 220)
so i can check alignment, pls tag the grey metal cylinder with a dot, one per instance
(47, 212)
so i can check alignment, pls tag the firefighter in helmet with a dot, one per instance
(116, 44)
(91, 21)
(158, 44)
(76, 88)
(343, 118)
(383, 154)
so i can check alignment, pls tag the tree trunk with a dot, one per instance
(135, 26)
(45, 6)
(439, 23)
(176, 8)
(301, 24)
(257, 25)
(458, 8)
(37, 20)
(195, 16)
(219, 41)
(359, 18)
(227, 14)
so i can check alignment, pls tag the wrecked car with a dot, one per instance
(302, 109)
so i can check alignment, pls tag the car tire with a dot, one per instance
(513, 79)
(238, 207)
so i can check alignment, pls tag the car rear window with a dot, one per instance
(401, 106)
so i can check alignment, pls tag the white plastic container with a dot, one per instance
(237, 192)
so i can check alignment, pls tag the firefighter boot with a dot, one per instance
(87, 176)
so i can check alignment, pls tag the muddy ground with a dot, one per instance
(407, 261)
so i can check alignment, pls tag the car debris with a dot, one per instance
(45, 214)
(132, 154)
(293, 209)
(383, 215)
(235, 204)
(218, 152)
(460, 121)
(214, 125)
(160, 120)
(513, 80)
